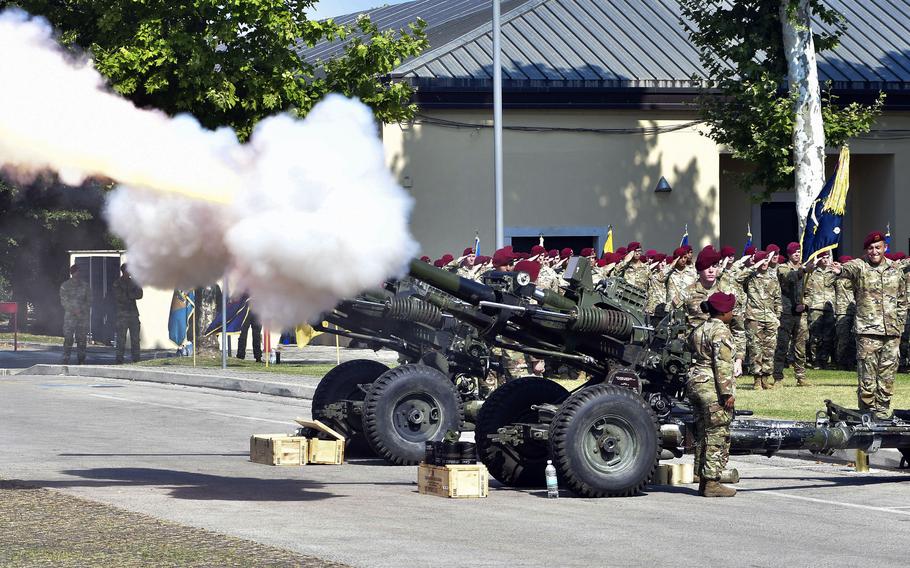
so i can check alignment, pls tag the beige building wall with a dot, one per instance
(580, 182)
(558, 180)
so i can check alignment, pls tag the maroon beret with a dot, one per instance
(749, 251)
(707, 258)
(467, 251)
(447, 257)
(688, 248)
(824, 254)
(601, 262)
(425, 258)
(438, 263)
(843, 259)
(680, 252)
(537, 249)
(482, 260)
(634, 245)
(565, 253)
(622, 251)
(760, 256)
(529, 266)
(553, 253)
(502, 257)
(892, 256)
(658, 256)
(873, 237)
(727, 252)
(792, 248)
(772, 248)
(508, 248)
(587, 251)
(721, 302)
(901, 255)
(650, 253)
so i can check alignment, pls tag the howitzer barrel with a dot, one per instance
(461, 288)
(770, 436)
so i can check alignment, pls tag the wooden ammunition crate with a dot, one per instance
(456, 481)
(321, 450)
(278, 449)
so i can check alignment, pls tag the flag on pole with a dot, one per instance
(608, 243)
(748, 238)
(237, 312)
(182, 306)
(888, 238)
(476, 243)
(684, 242)
(823, 223)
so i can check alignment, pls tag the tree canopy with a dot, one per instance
(741, 48)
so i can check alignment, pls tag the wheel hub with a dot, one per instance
(417, 417)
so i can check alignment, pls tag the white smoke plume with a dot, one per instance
(302, 215)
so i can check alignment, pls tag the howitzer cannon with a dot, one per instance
(606, 436)
(445, 368)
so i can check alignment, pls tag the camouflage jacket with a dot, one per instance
(126, 292)
(713, 352)
(548, 279)
(819, 293)
(692, 298)
(844, 303)
(732, 281)
(466, 271)
(634, 272)
(763, 301)
(76, 297)
(881, 296)
(677, 282)
(790, 278)
(657, 289)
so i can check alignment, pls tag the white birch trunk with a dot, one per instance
(808, 129)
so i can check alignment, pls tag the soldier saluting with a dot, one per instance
(881, 306)
(76, 298)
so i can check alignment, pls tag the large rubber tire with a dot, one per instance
(511, 403)
(605, 442)
(408, 406)
(343, 383)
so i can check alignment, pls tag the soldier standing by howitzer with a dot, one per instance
(881, 308)
(711, 389)
(794, 326)
(126, 292)
(76, 298)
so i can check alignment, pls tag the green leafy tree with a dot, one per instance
(741, 46)
(226, 62)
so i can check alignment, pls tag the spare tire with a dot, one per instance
(605, 442)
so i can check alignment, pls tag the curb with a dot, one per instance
(290, 390)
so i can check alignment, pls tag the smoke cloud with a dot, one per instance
(302, 215)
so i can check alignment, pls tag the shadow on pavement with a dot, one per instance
(196, 486)
(825, 482)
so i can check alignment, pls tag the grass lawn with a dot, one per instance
(214, 362)
(801, 403)
(7, 337)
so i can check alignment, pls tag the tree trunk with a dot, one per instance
(808, 129)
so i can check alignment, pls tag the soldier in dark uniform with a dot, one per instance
(251, 321)
(126, 292)
(76, 298)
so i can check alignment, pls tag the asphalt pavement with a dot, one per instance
(181, 454)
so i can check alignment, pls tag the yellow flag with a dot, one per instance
(608, 244)
(306, 333)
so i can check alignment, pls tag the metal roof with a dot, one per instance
(618, 44)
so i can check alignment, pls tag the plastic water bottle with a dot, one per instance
(552, 484)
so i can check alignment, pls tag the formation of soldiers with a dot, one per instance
(754, 313)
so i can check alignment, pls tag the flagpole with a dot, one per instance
(224, 301)
(497, 124)
(194, 333)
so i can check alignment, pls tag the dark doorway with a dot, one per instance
(778, 224)
(524, 244)
(100, 273)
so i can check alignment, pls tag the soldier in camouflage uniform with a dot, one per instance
(679, 277)
(819, 299)
(657, 285)
(763, 305)
(76, 298)
(881, 309)
(844, 312)
(126, 292)
(466, 268)
(632, 267)
(711, 389)
(794, 328)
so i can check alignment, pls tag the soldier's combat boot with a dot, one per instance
(715, 489)
(803, 383)
(778, 382)
(767, 382)
(756, 385)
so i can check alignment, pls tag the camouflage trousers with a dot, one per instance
(876, 363)
(793, 331)
(74, 328)
(845, 342)
(764, 341)
(712, 429)
(821, 337)
(124, 325)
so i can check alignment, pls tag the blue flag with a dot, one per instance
(748, 238)
(237, 312)
(476, 244)
(182, 305)
(823, 223)
(684, 242)
(888, 238)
